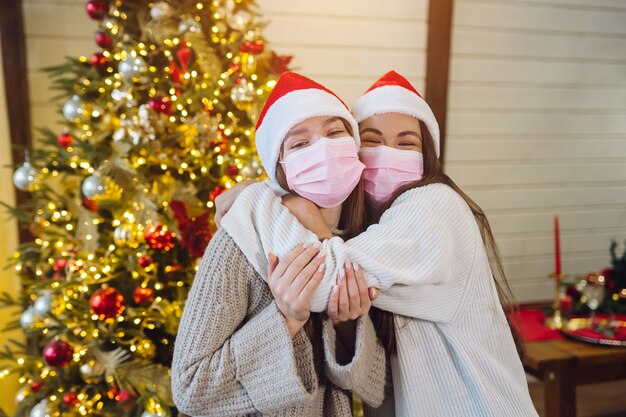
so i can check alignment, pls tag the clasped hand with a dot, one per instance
(294, 279)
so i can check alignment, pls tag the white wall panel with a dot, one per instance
(537, 128)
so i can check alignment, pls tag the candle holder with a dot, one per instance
(556, 320)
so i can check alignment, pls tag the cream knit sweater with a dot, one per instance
(456, 355)
(234, 357)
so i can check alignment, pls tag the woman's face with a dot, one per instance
(395, 130)
(306, 133)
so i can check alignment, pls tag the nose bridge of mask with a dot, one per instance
(329, 146)
(387, 157)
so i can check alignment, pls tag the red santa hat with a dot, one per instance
(294, 99)
(392, 93)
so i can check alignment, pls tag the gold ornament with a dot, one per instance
(146, 349)
(242, 95)
(92, 372)
(129, 235)
(248, 63)
(110, 122)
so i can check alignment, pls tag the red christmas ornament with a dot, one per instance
(89, 204)
(96, 9)
(160, 238)
(107, 303)
(99, 61)
(124, 396)
(58, 353)
(143, 295)
(60, 264)
(65, 140)
(232, 170)
(161, 105)
(36, 386)
(144, 261)
(103, 40)
(70, 399)
(216, 192)
(255, 47)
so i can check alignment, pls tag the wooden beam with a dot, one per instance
(13, 47)
(438, 62)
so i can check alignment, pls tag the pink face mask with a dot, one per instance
(325, 172)
(386, 170)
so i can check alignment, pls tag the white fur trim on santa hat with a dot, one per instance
(288, 111)
(396, 99)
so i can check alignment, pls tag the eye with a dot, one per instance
(407, 144)
(335, 132)
(299, 144)
(370, 140)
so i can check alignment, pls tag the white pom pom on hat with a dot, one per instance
(392, 93)
(294, 99)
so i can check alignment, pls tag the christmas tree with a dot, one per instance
(156, 124)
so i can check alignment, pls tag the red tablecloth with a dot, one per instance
(530, 324)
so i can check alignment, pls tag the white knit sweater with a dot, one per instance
(456, 355)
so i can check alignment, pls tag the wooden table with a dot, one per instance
(564, 364)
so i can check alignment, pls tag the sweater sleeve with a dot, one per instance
(419, 253)
(224, 365)
(366, 374)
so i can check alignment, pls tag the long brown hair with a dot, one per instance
(433, 174)
(352, 221)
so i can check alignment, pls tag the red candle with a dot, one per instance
(557, 247)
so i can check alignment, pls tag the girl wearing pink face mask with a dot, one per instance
(432, 254)
(250, 347)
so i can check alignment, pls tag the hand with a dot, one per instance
(225, 201)
(293, 282)
(350, 298)
(308, 214)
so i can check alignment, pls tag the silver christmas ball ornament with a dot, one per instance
(161, 10)
(40, 410)
(93, 186)
(239, 21)
(73, 108)
(43, 304)
(131, 67)
(24, 177)
(27, 319)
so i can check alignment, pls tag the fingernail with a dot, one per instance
(348, 265)
(342, 274)
(321, 268)
(373, 292)
(321, 255)
(306, 245)
(355, 266)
